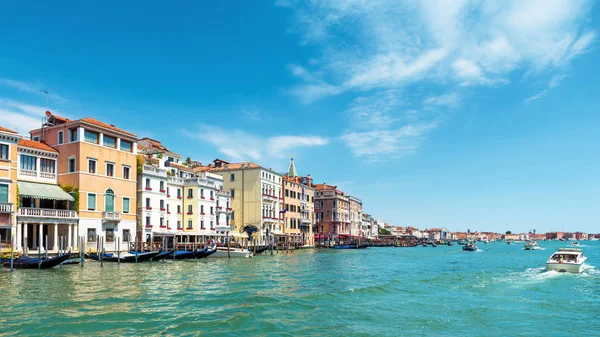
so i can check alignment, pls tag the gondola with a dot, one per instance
(259, 250)
(26, 262)
(200, 253)
(162, 255)
(207, 252)
(183, 255)
(125, 258)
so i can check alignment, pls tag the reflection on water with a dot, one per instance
(377, 291)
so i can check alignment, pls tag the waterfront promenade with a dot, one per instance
(501, 290)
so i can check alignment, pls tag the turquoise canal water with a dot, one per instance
(498, 291)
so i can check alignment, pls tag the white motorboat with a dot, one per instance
(574, 243)
(532, 245)
(566, 260)
(233, 252)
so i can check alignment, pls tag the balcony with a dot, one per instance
(29, 173)
(148, 208)
(149, 226)
(175, 180)
(162, 191)
(152, 169)
(269, 198)
(47, 175)
(222, 193)
(200, 182)
(47, 213)
(305, 221)
(162, 209)
(111, 216)
(148, 189)
(6, 207)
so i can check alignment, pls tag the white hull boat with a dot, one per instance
(532, 246)
(569, 260)
(234, 253)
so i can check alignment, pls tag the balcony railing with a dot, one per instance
(48, 175)
(305, 221)
(111, 216)
(47, 213)
(31, 173)
(176, 180)
(152, 169)
(6, 207)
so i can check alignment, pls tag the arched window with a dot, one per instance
(109, 200)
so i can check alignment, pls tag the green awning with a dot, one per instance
(43, 191)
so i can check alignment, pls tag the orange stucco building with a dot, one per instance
(100, 160)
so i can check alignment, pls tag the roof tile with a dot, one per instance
(36, 145)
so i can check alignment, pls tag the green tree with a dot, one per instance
(508, 232)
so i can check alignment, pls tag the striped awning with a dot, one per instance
(43, 191)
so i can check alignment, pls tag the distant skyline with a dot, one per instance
(457, 114)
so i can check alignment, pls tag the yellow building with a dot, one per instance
(256, 197)
(8, 184)
(99, 160)
(298, 200)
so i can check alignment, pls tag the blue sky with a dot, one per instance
(463, 114)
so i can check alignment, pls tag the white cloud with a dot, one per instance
(393, 143)
(239, 145)
(21, 116)
(30, 88)
(383, 128)
(448, 100)
(252, 115)
(388, 44)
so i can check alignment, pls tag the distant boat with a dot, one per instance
(469, 247)
(574, 243)
(450, 243)
(531, 246)
(26, 262)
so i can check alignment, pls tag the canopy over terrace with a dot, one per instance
(41, 219)
(43, 191)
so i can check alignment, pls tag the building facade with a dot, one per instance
(8, 185)
(332, 211)
(175, 200)
(99, 160)
(256, 197)
(298, 205)
(355, 215)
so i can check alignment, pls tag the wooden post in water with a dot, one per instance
(101, 252)
(12, 251)
(46, 248)
(81, 250)
(39, 254)
(228, 249)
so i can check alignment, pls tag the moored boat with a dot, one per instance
(566, 260)
(26, 262)
(124, 257)
(233, 252)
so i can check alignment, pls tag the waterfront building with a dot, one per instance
(175, 200)
(99, 161)
(8, 184)
(355, 215)
(45, 211)
(256, 197)
(369, 227)
(298, 201)
(332, 211)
